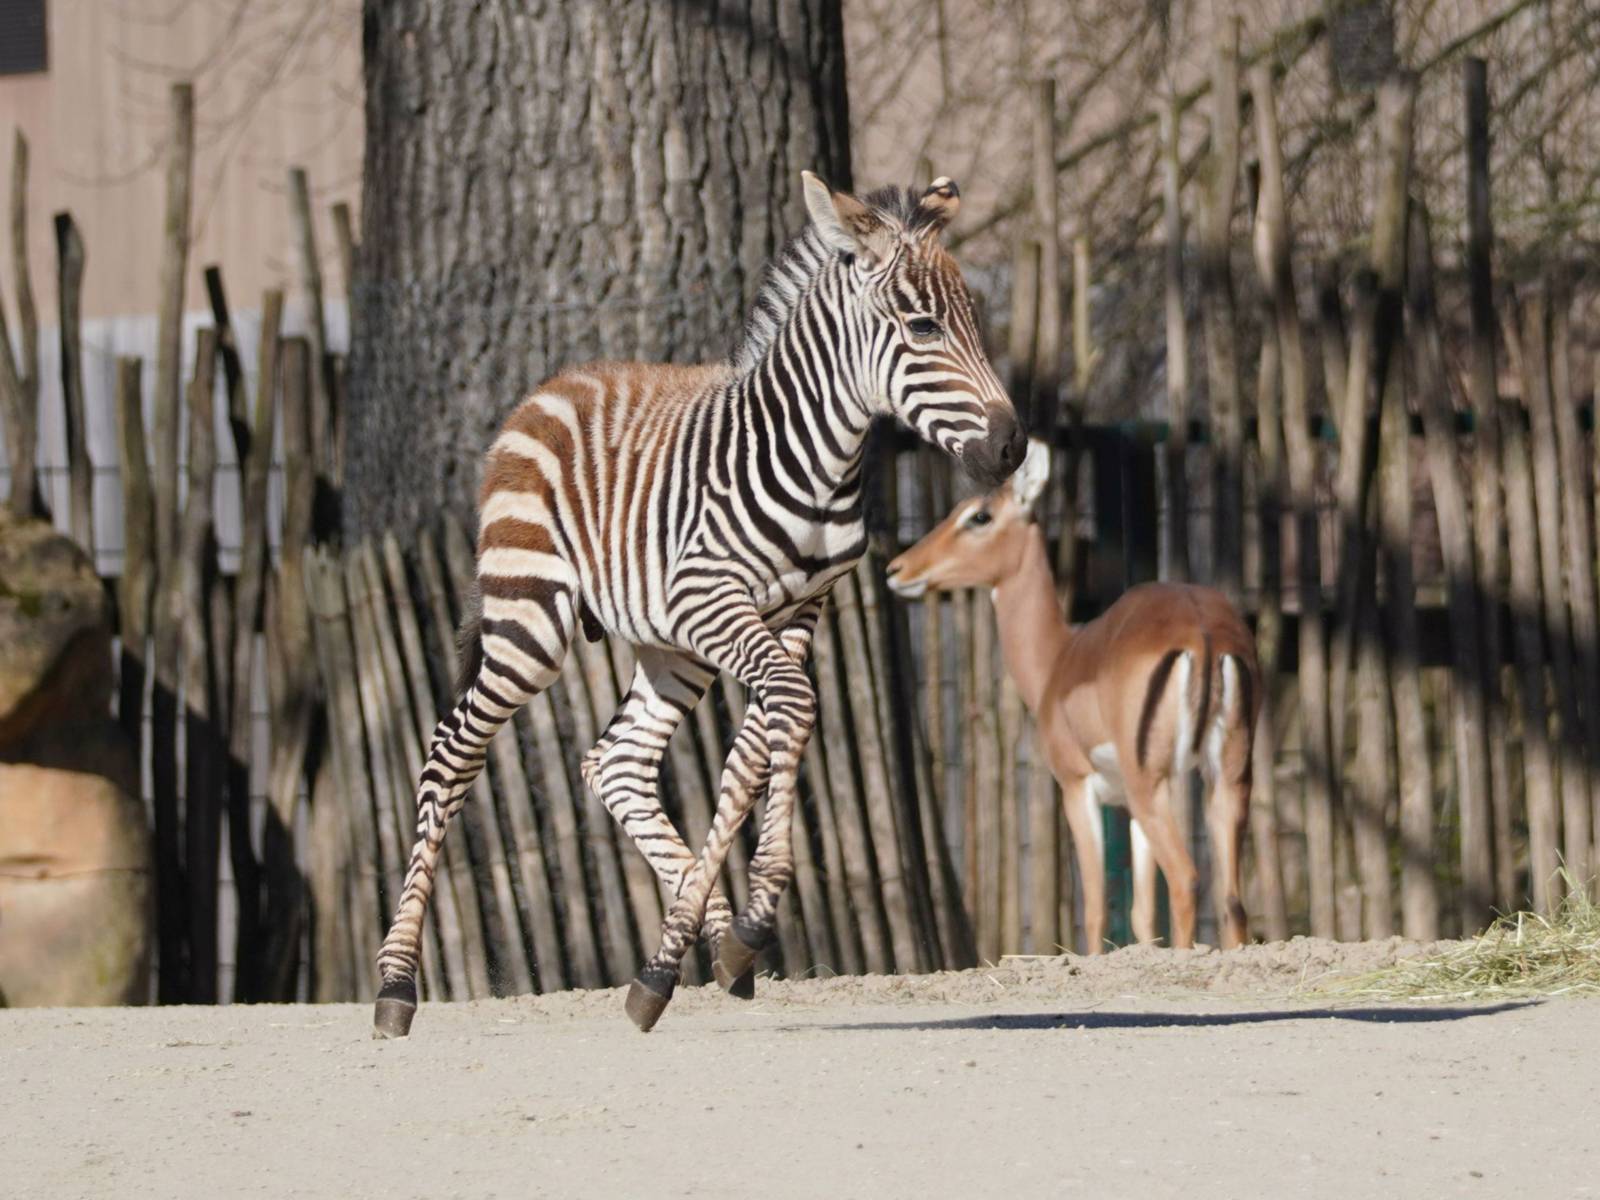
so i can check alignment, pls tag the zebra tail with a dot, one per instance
(469, 643)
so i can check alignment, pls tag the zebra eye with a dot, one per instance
(923, 327)
(980, 516)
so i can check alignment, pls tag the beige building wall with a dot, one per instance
(277, 83)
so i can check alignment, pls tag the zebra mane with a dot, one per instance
(802, 259)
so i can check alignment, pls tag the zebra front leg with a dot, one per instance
(522, 647)
(624, 771)
(744, 775)
(780, 721)
(772, 868)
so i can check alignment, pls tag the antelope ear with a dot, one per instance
(846, 224)
(1027, 484)
(938, 207)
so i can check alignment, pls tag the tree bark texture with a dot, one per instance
(551, 183)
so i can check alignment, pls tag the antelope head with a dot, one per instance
(981, 542)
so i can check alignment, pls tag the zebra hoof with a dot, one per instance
(648, 997)
(396, 1006)
(734, 967)
(740, 987)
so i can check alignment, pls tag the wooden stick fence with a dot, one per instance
(929, 834)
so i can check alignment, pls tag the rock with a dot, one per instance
(55, 631)
(77, 893)
(76, 883)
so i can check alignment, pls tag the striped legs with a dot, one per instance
(767, 747)
(624, 769)
(772, 868)
(524, 640)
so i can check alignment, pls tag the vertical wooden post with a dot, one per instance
(295, 684)
(1539, 786)
(1468, 702)
(1418, 899)
(1176, 452)
(80, 471)
(883, 812)
(1271, 246)
(1177, 565)
(985, 777)
(854, 842)
(1083, 351)
(1534, 344)
(1377, 316)
(253, 444)
(955, 929)
(1273, 263)
(1064, 481)
(173, 985)
(890, 657)
(1047, 216)
(169, 329)
(19, 382)
(1331, 335)
(1578, 543)
(344, 237)
(324, 445)
(1220, 319)
(1373, 783)
(1011, 718)
(355, 800)
(138, 550)
(1487, 505)
(822, 947)
(1024, 326)
(846, 937)
(202, 816)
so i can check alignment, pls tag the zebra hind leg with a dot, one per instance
(523, 640)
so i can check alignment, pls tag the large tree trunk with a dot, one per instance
(550, 183)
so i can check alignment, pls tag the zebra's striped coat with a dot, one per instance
(702, 513)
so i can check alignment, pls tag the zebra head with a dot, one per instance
(921, 356)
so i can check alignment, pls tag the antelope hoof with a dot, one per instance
(397, 1004)
(648, 997)
(734, 967)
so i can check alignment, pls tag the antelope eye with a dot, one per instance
(923, 327)
(979, 517)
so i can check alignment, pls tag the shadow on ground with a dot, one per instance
(1165, 1020)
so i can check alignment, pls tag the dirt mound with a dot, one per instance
(1275, 970)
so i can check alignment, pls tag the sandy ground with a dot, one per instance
(1148, 1073)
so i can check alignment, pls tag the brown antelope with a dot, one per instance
(1127, 705)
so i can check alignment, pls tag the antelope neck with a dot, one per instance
(1033, 633)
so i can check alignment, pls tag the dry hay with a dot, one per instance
(1520, 956)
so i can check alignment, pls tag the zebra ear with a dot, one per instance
(938, 206)
(1027, 485)
(846, 224)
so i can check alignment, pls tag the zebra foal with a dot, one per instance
(702, 513)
